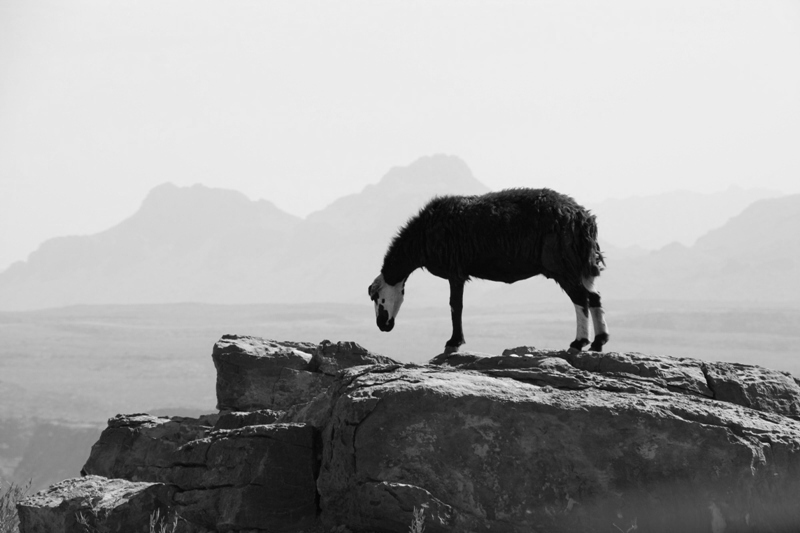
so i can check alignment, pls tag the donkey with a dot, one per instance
(504, 236)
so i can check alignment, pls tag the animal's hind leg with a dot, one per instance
(580, 300)
(601, 335)
(456, 307)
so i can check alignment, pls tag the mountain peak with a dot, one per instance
(194, 197)
(438, 174)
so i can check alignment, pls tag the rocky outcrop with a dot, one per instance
(255, 477)
(522, 442)
(577, 451)
(95, 503)
(255, 373)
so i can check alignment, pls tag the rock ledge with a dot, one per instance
(316, 437)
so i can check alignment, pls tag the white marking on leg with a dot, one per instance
(599, 320)
(583, 323)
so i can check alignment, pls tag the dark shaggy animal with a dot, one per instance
(503, 236)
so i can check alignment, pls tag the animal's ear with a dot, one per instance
(372, 290)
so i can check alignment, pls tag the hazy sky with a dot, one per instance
(303, 102)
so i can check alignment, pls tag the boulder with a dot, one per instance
(255, 477)
(255, 373)
(98, 505)
(524, 444)
(139, 447)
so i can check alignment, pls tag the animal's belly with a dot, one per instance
(503, 271)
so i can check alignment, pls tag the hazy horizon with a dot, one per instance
(634, 236)
(301, 104)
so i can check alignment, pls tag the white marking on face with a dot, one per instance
(387, 298)
(599, 320)
(583, 323)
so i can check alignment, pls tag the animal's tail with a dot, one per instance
(592, 260)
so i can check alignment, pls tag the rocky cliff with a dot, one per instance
(332, 437)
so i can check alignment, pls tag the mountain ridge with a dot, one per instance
(654, 221)
(217, 246)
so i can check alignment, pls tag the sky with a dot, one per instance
(303, 102)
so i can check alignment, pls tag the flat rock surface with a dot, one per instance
(236, 420)
(751, 386)
(489, 453)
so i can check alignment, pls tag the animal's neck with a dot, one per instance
(403, 257)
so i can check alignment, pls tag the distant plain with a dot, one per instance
(88, 363)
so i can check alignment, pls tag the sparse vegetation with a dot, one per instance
(89, 525)
(165, 524)
(9, 496)
(418, 521)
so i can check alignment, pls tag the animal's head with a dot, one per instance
(387, 300)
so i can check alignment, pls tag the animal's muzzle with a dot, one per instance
(384, 322)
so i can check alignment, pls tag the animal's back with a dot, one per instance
(508, 235)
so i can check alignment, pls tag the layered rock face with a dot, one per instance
(327, 437)
(260, 476)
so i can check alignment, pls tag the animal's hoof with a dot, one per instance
(577, 345)
(451, 349)
(599, 340)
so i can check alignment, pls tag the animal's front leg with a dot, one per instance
(582, 333)
(456, 306)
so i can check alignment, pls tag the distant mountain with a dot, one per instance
(183, 244)
(214, 245)
(652, 222)
(753, 257)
